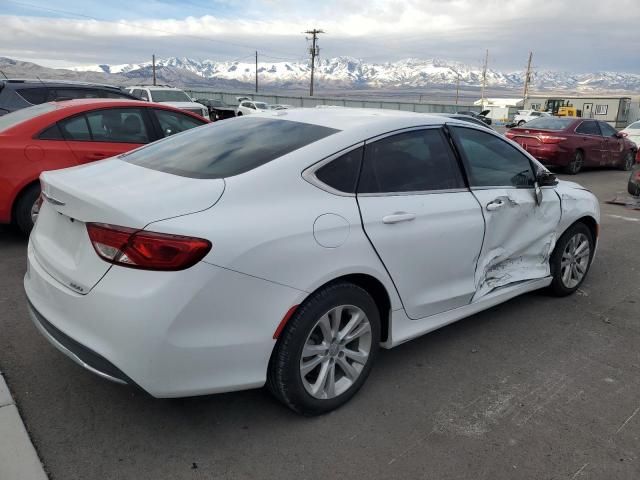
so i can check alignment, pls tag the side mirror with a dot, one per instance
(620, 135)
(546, 179)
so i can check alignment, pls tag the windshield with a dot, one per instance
(228, 148)
(549, 123)
(169, 96)
(261, 106)
(12, 119)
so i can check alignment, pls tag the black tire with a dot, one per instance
(22, 209)
(558, 287)
(576, 163)
(632, 187)
(521, 122)
(627, 162)
(239, 114)
(284, 375)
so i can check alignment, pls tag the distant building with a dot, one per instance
(614, 110)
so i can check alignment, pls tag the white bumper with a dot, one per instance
(202, 330)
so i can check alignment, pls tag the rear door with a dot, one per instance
(590, 140)
(107, 132)
(423, 222)
(519, 233)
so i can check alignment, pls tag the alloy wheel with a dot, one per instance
(575, 260)
(35, 210)
(335, 352)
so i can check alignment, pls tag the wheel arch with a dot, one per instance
(590, 223)
(18, 196)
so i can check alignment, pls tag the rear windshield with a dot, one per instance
(12, 119)
(550, 123)
(169, 96)
(225, 149)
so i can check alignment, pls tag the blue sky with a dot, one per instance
(569, 35)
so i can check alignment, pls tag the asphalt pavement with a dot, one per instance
(536, 388)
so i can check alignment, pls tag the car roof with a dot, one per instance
(34, 82)
(370, 121)
(155, 87)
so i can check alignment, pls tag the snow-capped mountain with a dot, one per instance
(347, 72)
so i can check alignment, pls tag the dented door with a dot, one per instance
(519, 236)
(519, 232)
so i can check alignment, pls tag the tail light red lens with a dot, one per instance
(551, 139)
(133, 248)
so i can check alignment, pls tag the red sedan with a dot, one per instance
(573, 143)
(65, 134)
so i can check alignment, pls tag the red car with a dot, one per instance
(573, 143)
(65, 134)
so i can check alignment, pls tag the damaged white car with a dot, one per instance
(285, 248)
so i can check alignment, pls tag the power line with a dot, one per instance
(314, 51)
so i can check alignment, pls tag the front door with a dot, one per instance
(424, 224)
(589, 140)
(519, 233)
(613, 144)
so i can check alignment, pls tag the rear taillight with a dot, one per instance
(550, 138)
(133, 248)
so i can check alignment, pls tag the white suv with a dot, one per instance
(248, 107)
(524, 116)
(169, 95)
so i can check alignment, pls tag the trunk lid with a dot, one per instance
(114, 192)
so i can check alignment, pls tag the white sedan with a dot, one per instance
(523, 116)
(286, 248)
(633, 132)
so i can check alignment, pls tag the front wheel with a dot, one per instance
(571, 260)
(327, 349)
(521, 122)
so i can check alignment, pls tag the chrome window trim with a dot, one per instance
(414, 192)
(575, 130)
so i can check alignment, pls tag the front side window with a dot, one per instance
(420, 160)
(118, 125)
(588, 128)
(342, 173)
(607, 130)
(491, 161)
(174, 122)
(225, 149)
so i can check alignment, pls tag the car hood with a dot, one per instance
(184, 104)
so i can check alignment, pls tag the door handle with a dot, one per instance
(495, 204)
(97, 156)
(398, 217)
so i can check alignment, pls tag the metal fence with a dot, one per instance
(310, 102)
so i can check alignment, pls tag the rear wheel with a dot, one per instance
(576, 163)
(633, 187)
(627, 162)
(521, 122)
(571, 260)
(239, 114)
(326, 351)
(27, 208)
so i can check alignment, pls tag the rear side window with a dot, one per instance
(414, 161)
(588, 128)
(118, 125)
(76, 129)
(491, 161)
(229, 148)
(342, 173)
(51, 133)
(35, 96)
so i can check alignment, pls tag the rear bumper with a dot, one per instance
(198, 331)
(551, 155)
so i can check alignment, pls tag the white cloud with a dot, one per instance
(560, 32)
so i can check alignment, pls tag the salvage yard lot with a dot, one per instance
(537, 388)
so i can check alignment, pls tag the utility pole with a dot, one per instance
(314, 51)
(457, 87)
(527, 79)
(256, 71)
(153, 63)
(484, 79)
